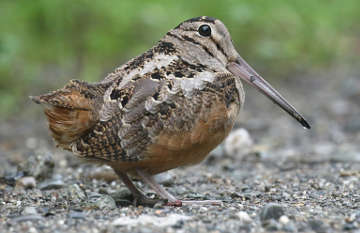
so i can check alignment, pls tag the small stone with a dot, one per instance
(33, 217)
(349, 226)
(122, 196)
(238, 143)
(101, 201)
(76, 214)
(27, 182)
(316, 225)
(271, 211)
(289, 227)
(244, 217)
(32, 230)
(29, 210)
(51, 184)
(271, 225)
(46, 212)
(284, 220)
(75, 193)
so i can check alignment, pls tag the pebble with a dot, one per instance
(271, 211)
(271, 225)
(33, 217)
(76, 214)
(101, 201)
(28, 210)
(317, 225)
(244, 217)
(289, 227)
(51, 184)
(169, 220)
(26, 182)
(75, 193)
(284, 220)
(238, 143)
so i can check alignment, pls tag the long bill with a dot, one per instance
(241, 69)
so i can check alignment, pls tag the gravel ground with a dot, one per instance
(271, 174)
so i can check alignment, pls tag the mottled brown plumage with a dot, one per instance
(166, 108)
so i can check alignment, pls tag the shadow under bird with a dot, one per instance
(166, 108)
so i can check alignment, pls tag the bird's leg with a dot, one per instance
(172, 201)
(139, 197)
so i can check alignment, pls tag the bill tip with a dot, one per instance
(305, 124)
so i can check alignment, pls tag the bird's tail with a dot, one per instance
(71, 111)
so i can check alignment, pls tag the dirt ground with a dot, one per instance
(278, 177)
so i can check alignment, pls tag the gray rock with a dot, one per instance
(101, 201)
(29, 210)
(26, 182)
(284, 220)
(317, 226)
(33, 217)
(76, 214)
(271, 225)
(289, 227)
(75, 193)
(51, 184)
(244, 217)
(271, 211)
(238, 143)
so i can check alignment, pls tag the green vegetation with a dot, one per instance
(43, 43)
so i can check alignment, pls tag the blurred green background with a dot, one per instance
(44, 43)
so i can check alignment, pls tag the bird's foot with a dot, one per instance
(144, 201)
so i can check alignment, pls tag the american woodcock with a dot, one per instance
(166, 108)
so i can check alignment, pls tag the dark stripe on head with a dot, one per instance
(219, 48)
(195, 42)
(202, 19)
(198, 19)
(175, 36)
(182, 38)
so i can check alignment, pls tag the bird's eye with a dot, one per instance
(204, 30)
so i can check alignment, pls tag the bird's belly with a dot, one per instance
(173, 149)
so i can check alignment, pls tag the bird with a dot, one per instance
(165, 108)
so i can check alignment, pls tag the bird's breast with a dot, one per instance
(172, 149)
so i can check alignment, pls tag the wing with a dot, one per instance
(135, 116)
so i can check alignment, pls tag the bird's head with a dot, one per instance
(207, 41)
